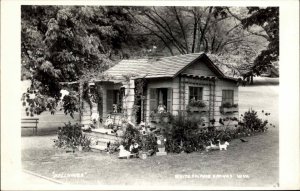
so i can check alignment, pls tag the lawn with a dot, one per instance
(254, 163)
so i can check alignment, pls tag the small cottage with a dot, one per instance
(137, 90)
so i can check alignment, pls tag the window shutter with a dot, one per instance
(200, 93)
(170, 96)
(109, 101)
(227, 96)
(153, 99)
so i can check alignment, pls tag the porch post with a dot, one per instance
(129, 100)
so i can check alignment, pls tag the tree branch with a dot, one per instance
(172, 39)
(182, 29)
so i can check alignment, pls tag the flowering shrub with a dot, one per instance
(185, 135)
(70, 136)
(146, 142)
(131, 135)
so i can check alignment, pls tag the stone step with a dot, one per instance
(98, 147)
(102, 137)
(86, 117)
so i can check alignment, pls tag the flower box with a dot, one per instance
(197, 109)
(225, 110)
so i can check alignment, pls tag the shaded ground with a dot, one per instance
(257, 159)
(48, 123)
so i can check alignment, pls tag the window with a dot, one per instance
(227, 96)
(196, 93)
(160, 96)
(114, 97)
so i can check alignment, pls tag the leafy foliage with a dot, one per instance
(71, 43)
(71, 136)
(77, 43)
(131, 135)
(182, 135)
(252, 122)
(268, 19)
(71, 103)
(146, 142)
(188, 135)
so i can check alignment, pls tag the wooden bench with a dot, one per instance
(30, 123)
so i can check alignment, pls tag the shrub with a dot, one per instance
(183, 135)
(85, 142)
(251, 121)
(146, 142)
(131, 134)
(70, 136)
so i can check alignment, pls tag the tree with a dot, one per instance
(181, 30)
(268, 19)
(262, 22)
(67, 44)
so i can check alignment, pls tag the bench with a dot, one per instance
(30, 123)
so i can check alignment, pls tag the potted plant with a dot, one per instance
(228, 108)
(196, 106)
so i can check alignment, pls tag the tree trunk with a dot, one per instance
(194, 33)
(80, 99)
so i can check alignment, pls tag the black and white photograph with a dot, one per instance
(176, 96)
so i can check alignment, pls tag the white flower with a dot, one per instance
(31, 96)
(63, 94)
(94, 116)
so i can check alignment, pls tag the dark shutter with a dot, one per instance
(153, 99)
(200, 93)
(109, 101)
(170, 96)
(227, 96)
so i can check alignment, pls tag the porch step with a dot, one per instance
(102, 136)
(98, 147)
(105, 135)
(102, 130)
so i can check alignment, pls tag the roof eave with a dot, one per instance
(230, 79)
(203, 55)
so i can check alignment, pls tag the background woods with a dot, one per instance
(71, 43)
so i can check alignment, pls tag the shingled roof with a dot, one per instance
(161, 67)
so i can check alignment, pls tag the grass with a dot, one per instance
(48, 123)
(260, 165)
(258, 159)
